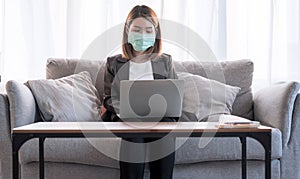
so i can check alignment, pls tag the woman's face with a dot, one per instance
(141, 35)
(142, 26)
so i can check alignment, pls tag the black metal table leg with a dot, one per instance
(15, 162)
(268, 156)
(266, 140)
(244, 157)
(17, 141)
(41, 157)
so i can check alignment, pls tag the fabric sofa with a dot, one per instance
(277, 106)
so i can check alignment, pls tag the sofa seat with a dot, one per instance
(207, 170)
(81, 151)
(221, 149)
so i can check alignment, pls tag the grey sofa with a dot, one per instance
(277, 106)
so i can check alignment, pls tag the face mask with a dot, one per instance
(141, 42)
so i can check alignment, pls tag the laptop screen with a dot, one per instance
(151, 98)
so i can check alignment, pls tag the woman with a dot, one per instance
(141, 60)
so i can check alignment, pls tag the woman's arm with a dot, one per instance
(108, 79)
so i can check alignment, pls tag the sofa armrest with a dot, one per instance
(5, 139)
(22, 105)
(290, 152)
(273, 106)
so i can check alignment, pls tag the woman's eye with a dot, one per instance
(136, 30)
(149, 31)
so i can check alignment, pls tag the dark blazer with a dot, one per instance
(117, 69)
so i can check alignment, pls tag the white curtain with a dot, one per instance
(35, 30)
(266, 32)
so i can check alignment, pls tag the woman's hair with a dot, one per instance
(147, 13)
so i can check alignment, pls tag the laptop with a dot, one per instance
(151, 99)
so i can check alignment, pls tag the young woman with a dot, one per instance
(142, 59)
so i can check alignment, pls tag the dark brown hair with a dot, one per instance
(147, 13)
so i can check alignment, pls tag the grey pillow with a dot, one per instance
(59, 67)
(71, 98)
(204, 97)
(236, 73)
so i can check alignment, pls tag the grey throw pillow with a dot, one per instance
(204, 97)
(71, 98)
(236, 73)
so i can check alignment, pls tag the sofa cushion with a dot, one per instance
(71, 98)
(204, 97)
(57, 68)
(21, 103)
(81, 151)
(235, 73)
(226, 170)
(72, 150)
(225, 149)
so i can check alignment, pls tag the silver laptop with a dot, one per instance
(142, 99)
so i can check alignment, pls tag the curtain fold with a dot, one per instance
(266, 32)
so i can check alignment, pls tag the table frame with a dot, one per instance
(18, 139)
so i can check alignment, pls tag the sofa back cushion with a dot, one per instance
(235, 73)
(57, 68)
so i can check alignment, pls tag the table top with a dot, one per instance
(129, 127)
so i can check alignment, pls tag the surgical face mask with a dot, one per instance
(141, 42)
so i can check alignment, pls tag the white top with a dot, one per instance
(140, 71)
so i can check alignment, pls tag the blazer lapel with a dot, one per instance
(123, 70)
(157, 70)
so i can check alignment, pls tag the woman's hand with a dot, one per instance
(102, 111)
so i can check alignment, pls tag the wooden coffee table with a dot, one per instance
(43, 130)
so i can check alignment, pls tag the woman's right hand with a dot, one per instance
(102, 111)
